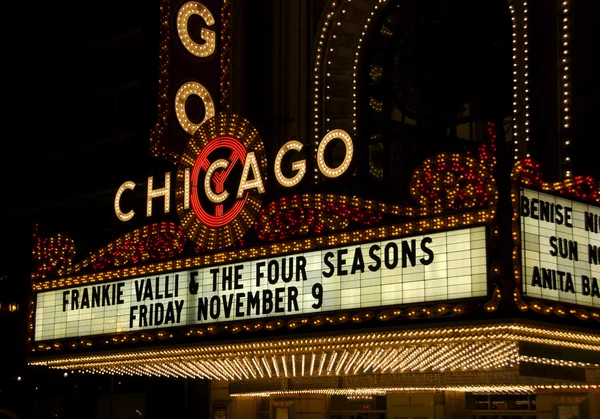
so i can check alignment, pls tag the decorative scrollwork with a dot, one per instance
(528, 172)
(447, 181)
(55, 255)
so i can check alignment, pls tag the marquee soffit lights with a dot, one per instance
(485, 348)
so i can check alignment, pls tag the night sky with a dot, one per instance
(82, 86)
(80, 99)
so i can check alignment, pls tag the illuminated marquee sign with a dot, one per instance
(427, 268)
(220, 179)
(560, 249)
(221, 161)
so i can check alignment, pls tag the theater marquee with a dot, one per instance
(242, 233)
(427, 268)
(560, 249)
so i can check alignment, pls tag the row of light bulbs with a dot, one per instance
(361, 393)
(462, 357)
(437, 350)
(381, 232)
(519, 10)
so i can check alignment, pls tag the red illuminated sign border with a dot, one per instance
(220, 219)
(230, 131)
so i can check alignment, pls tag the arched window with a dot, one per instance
(434, 72)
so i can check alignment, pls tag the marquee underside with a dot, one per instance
(468, 358)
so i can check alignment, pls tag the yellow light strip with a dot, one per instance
(381, 391)
(431, 336)
(318, 83)
(520, 50)
(421, 359)
(225, 83)
(357, 65)
(565, 82)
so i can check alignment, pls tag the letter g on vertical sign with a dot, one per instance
(193, 63)
(205, 49)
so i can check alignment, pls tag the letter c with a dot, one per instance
(217, 198)
(330, 136)
(120, 214)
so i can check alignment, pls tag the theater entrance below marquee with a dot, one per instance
(399, 405)
(497, 406)
(357, 407)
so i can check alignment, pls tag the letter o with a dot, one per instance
(330, 136)
(184, 92)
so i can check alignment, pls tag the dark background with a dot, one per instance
(82, 87)
(80, 96)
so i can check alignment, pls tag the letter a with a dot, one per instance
(246, 184)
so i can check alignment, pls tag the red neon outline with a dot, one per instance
(239, 151)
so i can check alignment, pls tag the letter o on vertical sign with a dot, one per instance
(186, 11)
(184, 92)
(330, 136)
(203, 50)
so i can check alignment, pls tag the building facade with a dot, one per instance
(350, 209)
